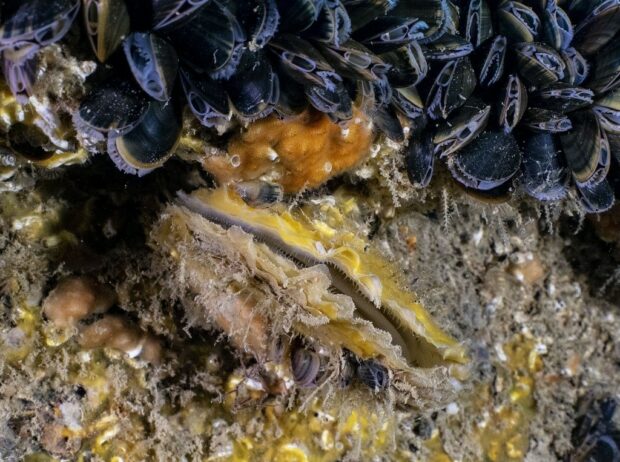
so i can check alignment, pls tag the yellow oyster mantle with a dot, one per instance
(371, 280)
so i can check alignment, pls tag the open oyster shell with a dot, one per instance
(257, 273)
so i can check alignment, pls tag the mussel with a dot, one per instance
(489, 161)
(491, 57)
(576, 66)
(373, 374)
(461, 127)
(512, 103)
(598, 27)
(539, 64)
(606, 73)
(517, 22)
(332, 26)
(452, 86)
(39, 21)
(545, 176)
(448, 47)
(300, 14)
(20, 68)
(386, 33)
(607, 109)
(150, 143)
(586, 149)
(476, 22)
(353, 60)
(260, 19)
(596, 198)
(305, 365)
(107, 24)
(153, 62)
(408, 65)
(562, 98)
(386, 119)
(257, 90)
(206, 98)
(557, 26)
(545, 120)
(115, 105)
(169, 12)
(420, 161)
(211, 40)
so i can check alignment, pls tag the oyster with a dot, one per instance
(331, 287)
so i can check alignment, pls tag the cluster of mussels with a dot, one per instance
(497, 89)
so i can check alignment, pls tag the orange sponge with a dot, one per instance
(298, 153)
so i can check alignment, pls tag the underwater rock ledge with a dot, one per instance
(296, 230)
